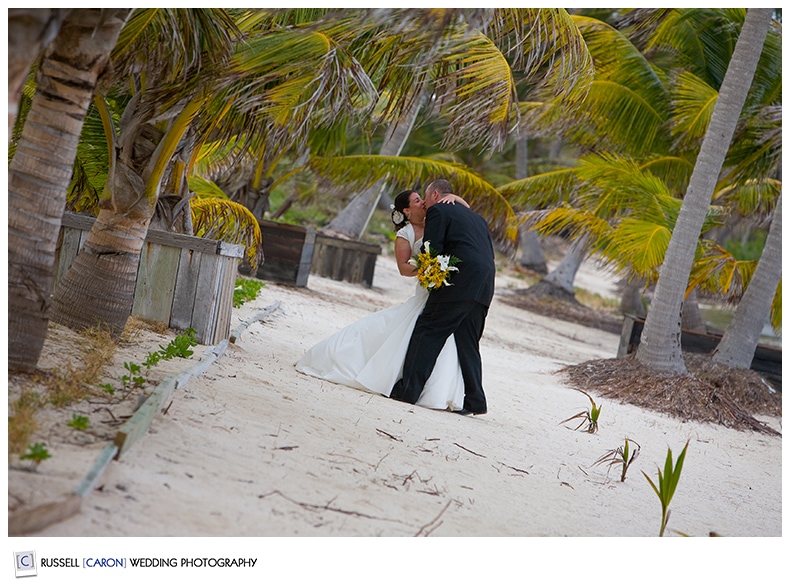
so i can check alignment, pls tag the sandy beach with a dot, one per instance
(253, 448)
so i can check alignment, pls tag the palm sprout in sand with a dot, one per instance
(667, 483)
(588, 417)
(622, 455)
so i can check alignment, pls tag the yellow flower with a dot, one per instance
(433, 270)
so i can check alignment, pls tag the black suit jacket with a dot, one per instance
(457, 230)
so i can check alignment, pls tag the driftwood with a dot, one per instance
(260, 316)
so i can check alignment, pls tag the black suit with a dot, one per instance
(459, 309)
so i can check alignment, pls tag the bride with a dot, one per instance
(368, 354)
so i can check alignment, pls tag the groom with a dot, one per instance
(460, 308)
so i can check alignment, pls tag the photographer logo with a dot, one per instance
(25, 563)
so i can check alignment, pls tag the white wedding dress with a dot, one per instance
(368, 354)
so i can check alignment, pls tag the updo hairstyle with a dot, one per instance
(401, 202)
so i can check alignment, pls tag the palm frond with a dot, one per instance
(627, 94)
(718, 272)
(362, 171)
(568, 220)
(613, 185)
(196, 37)
(476, 91)
(756, 150)
(284, 83)
(91, 166)
(223, 219)
(638, 246)
(674, 170)
(551, 51)
(754, 199)
(693, 101)
(542, 190)
(700, 39)
(206, 189)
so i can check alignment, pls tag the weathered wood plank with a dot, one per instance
(205, 298)
(237, 332)
(172, 239)
(224, 306)
(184, 292)
(212, 355)
(176, 272)
(69, 243)
(136, 426)
(287, 253)
(156, 282)
(107, 455)
(230, 250)
(80, 221)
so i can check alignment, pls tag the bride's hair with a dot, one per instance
(401, 202)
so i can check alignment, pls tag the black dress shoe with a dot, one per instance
(465, 412)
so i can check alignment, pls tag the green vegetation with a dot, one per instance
(36, 452)
(246, 290)
(75, 383)
(178, 347)
(588, 417)
(79, 422)
(667, 483)
(622, 455)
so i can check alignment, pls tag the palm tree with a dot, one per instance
(615, 190)
(471, 72)
(353, 219)
(660, 345)
(279, 83)
(40, 170)
(740, 340)
(155, 130)
(30, 30)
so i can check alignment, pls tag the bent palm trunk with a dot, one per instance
(40, 172)
(109, 259)
(740, 340)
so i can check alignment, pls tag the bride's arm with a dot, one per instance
(453, 199)
(402, 256)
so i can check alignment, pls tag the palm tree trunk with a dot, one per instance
(559, 282)
(99, 285)
(40, 172)
(740, 340)
(531, 255)
(354, 218)
(29, 31)
(98, 288)
(690, 314)
(660, 345)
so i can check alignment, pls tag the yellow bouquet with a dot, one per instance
(434, 269)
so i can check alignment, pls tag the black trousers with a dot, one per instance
(434, 326)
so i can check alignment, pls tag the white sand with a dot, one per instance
(252, 448)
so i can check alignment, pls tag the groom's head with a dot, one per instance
(436, 190)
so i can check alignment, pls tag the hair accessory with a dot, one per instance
(392, 206)
(397, 216)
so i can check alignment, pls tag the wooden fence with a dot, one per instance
(182, 281)
(287, 254)
(345, 260)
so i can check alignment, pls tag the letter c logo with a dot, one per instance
(23, 560)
